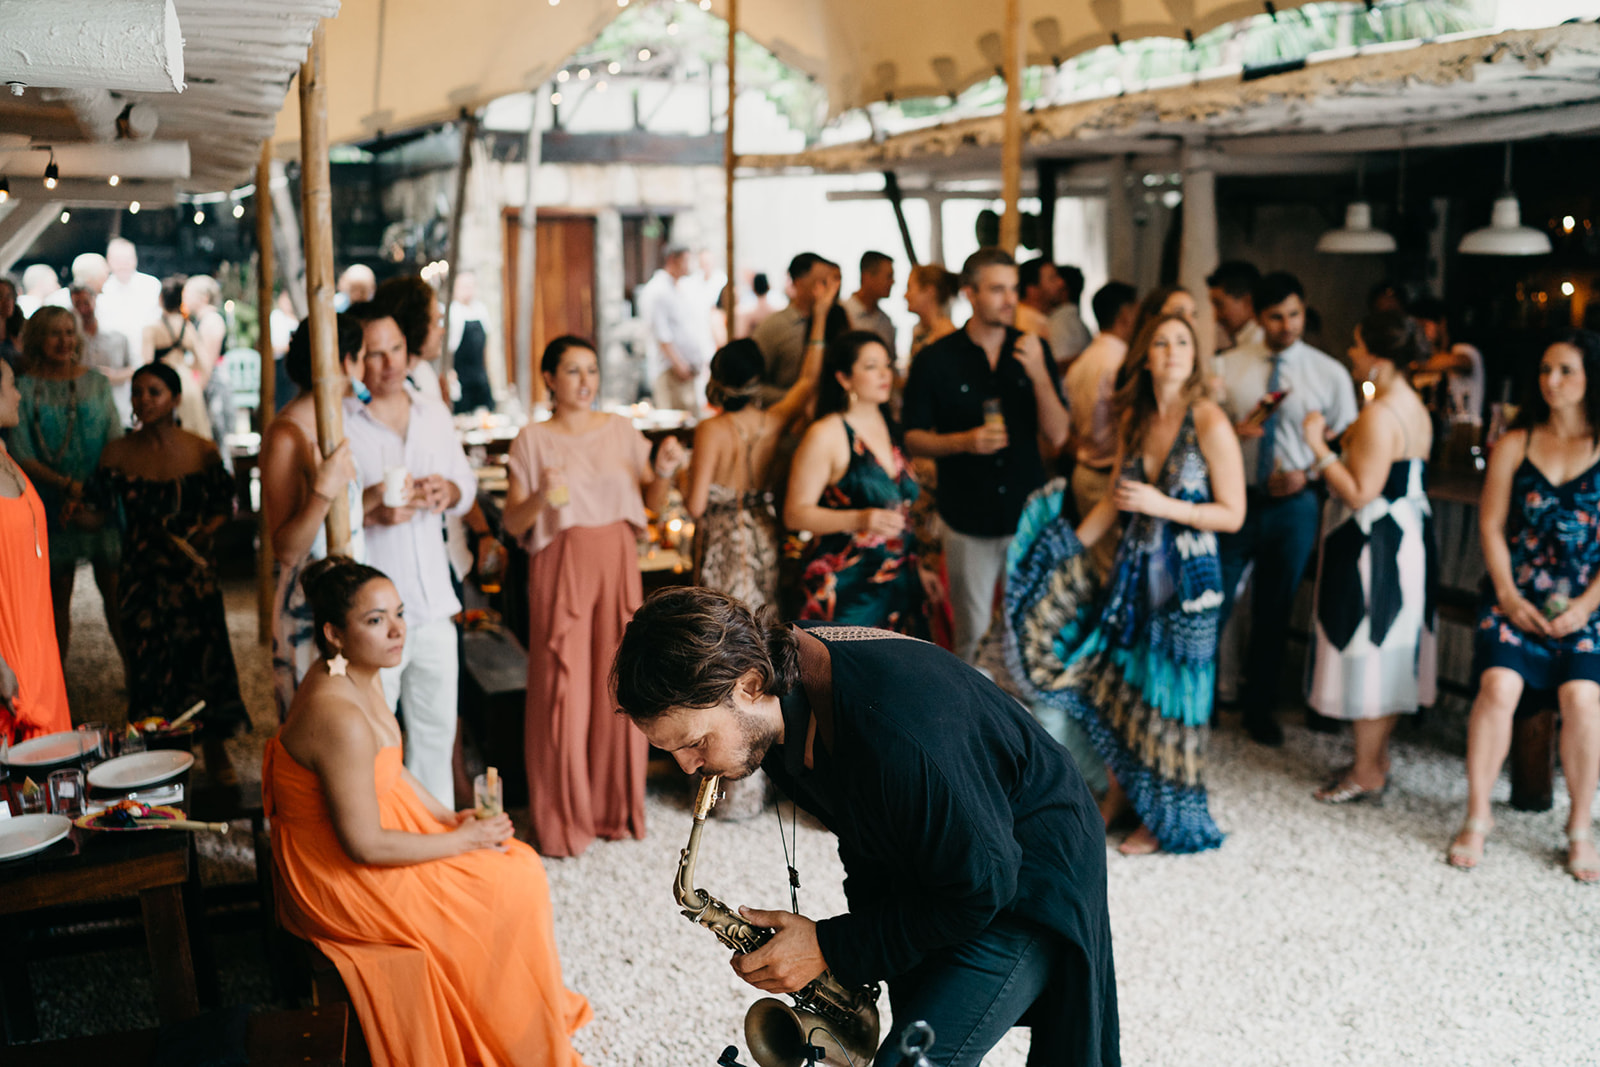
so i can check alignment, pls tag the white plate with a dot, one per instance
(46, 750)
(140, 768)
(27, 834)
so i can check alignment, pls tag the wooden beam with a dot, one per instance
(316, 198)
(1011, 141)
(469, 136)
(267, 405)
(891, 190)
(528, 387)
(93, 44)
(730, 160)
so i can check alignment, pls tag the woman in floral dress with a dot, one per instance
(1539, 518)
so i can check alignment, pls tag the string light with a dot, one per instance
(1568, 223)
(66, 216)
(199, 217)
(644, 54)
(52, 173)
(1567, 289)
(562, 75)
(5, 188)
(622, 3)
(583, 74)
(705, 5)
(133, 207)
(555, 98)
(672, 29)
(600, 86)
(114, 181)
(238, 211)
(614, 67)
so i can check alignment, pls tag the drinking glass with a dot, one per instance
(66, 792)
(34, 803)
(92, 743)
(994, 415)
(132, 741)
(488, 798)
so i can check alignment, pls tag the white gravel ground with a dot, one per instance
(1314, 936)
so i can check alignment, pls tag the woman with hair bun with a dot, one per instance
(929, 290)
(730, 474)
(438, 921)
(1374, 614)
(168, 492)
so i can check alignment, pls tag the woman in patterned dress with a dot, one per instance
(1136, 662)
(167, 491)
(1539, 518)
(851, 487)
(737, 539)
(1374, 656)
(67, 417)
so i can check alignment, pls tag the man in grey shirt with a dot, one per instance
(783, 335)
(877, 282)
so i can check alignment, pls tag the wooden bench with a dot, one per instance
(314, 1037)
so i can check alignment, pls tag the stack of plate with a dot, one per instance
(45, 754)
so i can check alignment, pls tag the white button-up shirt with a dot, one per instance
(412, 553)
(1316, 382)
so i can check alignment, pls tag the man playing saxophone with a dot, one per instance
(974, 854)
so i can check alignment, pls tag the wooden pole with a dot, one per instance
(1011, 144)
(269, 377)
(469, 134)
(730, 160)
(528, 386)
(316, 208)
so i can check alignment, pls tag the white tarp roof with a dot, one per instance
(396, 64)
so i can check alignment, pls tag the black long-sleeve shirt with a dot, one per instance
(951, 806)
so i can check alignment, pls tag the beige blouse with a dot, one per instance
(603, 470)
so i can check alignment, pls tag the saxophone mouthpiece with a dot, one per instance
(707, 796)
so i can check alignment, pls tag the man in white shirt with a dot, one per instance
(1280, 527)
(39, 285)
(1232, 290)
(401, 428)
(680, 333)
(877, 282)
(1088, 386)
(1068, 335)
(129, 301)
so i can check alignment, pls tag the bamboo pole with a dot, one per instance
(1011, 143)
(316, 208)
(269, 378)
(529, 387)
(469, 135)
(730, 160)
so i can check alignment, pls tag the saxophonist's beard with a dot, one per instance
(758, 739)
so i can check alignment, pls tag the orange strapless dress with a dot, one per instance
(452, 961)
(27, 629)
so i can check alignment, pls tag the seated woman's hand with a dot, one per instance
(475, 833)
(1527, 618)
(1575, 618)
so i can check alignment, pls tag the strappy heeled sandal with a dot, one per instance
(1586, 873)
(1465, 857)
(1346, 791)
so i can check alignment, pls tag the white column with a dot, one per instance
(1120, 238)
(1198, 254)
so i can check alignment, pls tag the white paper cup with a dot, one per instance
(394, 487)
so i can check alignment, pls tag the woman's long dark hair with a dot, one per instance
(840, 358)
(330, 586)
(1536, 410)
(1135, 400)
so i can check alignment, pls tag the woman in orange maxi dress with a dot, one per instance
(33, 693)
(439, 922)
(579, 484)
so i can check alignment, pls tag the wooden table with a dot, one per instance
(314, 1036)
(160, 867)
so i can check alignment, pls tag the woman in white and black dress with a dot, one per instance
(1374, 617)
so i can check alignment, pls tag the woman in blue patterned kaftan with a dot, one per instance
(1135, 662)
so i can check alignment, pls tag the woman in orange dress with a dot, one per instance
(33, 694)
(439, 922)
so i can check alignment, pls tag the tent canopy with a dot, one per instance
(397, 64)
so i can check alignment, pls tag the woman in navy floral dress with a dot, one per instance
(851, 487)
(1539, 625)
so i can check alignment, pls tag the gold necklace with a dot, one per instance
(15, 475)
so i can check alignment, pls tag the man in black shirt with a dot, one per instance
(988, 457)
(974, 854)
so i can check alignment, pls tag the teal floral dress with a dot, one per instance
(1134, 662)
(64, 424)
(1553, 532)
(173, 619)
(860, 579)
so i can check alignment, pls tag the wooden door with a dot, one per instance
(563, 301)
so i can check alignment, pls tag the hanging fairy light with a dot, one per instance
(66, 216)
(133, 207)
(614, 67)
(5, 188)
(563, 75)
(238, 211)
(114, 181)
(52, 173)
(583, 74)
(199, 217)
(555, 98)
(644, 55)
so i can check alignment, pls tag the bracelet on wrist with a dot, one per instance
(1324, 463)
(320, 495)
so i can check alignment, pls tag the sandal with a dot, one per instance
(1346, 791)
(1465, 857)
(1586, 873)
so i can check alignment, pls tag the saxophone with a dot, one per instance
(842, 1022)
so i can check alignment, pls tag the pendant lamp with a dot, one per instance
(1505, 235)
(1357, 237)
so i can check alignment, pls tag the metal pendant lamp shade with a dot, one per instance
(1356, 237)
(1505, 235)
